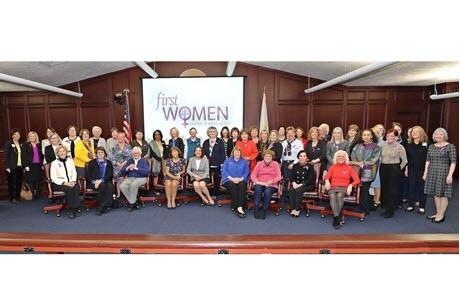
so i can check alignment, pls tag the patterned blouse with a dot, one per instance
(119, 156)
(175, 167)
(370, 155)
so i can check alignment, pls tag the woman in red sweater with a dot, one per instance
(340, 180)
(248, 148)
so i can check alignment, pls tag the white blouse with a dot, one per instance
(58, 174)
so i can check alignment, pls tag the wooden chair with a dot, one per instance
(88, 194)
(58, 196)
(275, 207)
(351, 202)
(310, 197)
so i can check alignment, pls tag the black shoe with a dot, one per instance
(440, 221)
(388, 215)
(98, 212)
(71, 214)
(430, 217)
(130, 208)
(336, 223)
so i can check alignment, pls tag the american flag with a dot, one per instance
(127, 118)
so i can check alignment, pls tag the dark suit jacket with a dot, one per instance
(11, 156)
(93, 171)
(277, 148)
(27, 154)
(218, 153)
(179, 144)
(50, 155)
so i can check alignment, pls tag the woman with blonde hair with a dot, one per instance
(416, 150)
(64, 178)
(316, 149)
(176, 140)
(336, 143)
(263, 143)
(339, 181)
(439, 169)
(33, 163)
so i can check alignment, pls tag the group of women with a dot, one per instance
(394, 167)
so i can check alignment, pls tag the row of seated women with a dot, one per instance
(387, 161)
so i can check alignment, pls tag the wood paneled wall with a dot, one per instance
(286, 102)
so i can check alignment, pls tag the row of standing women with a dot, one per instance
(416, 168)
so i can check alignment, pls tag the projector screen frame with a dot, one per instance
(189, 77)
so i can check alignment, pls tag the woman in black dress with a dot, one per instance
(234, 137)
(275, 146)
(175, 140)
(416, 150)
(33, 163)
(262, 144)
(316, 150)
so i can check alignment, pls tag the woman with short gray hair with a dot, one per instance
(439, 168)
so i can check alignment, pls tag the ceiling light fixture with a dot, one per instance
(37, 85)
(349, 76)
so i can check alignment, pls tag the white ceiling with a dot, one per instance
(400, 74)
(56, 73)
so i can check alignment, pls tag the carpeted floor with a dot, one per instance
(195, 219)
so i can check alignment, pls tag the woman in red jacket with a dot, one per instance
(340, 180)
(248, 148)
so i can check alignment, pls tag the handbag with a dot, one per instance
(26, 193)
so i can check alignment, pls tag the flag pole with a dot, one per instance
(127, 125)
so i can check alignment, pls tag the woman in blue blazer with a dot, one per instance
(235, 172)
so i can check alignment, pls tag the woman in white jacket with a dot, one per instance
(64, 178)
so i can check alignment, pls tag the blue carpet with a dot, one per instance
(194, 219)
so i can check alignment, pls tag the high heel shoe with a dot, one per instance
(439, 221)
(430, 217)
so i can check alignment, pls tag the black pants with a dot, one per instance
(296, 197)
(14, 183)
(416, 188)
(390, 183)
(286, 174)
(104, 197)
(34, 179)
(237, 193)
(72, 194)
(404, 189)
(364, 197)
(216, 177)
